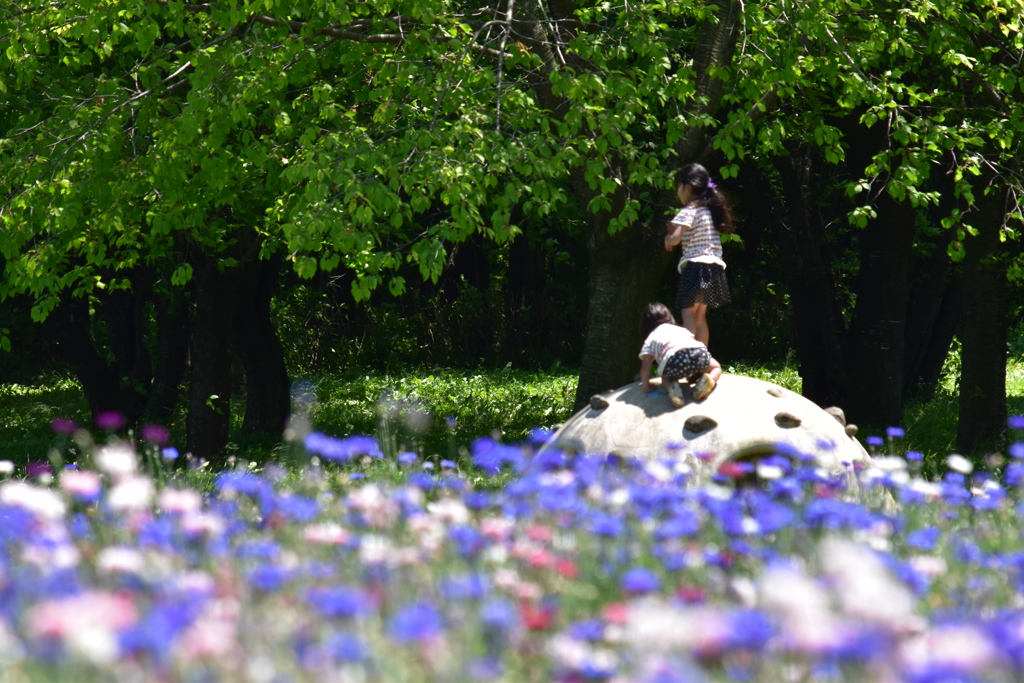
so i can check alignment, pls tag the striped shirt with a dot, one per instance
(701, 242)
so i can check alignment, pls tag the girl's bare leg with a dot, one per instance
(695, 319)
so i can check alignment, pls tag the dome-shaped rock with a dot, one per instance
(742, 419)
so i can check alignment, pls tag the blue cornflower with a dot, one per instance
(407, 458)
(242, 482)
(298, 508)
(498, 615)
(924, 538)
(341, 450)
(540, 436)
(588, 630)
(345, 647)
(1014, 473)
(477, 500)
(914, 456)
(1015, 422)
(467, 539)
(639, 581)
(416, 622)
(607, 525)
(448, 464)
(874, 440)
(750, 630)
(683, 523)
(895, 432)
(464, 586)
(422, 480)
(492, 457)
(261, 548)
(155, 632)
(1017, 450)
(339, 601)
(269, 577)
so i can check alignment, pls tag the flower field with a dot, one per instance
(520, 566)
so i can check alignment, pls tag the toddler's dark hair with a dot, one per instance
(707, 195)
(655, 314)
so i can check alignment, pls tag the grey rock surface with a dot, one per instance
(742, 419)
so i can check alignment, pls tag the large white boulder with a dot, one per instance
(742, 419)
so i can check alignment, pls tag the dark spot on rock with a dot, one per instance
(785, 419)
(598, 402)
(775, 391)
(699, 423)
(851, 430)
(837, 413)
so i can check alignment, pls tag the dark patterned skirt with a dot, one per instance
(687, 363)
(702, 283)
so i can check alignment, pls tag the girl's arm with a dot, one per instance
(645, 372)
(675, 234)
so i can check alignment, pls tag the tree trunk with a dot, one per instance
(209, 407)
(71, 328)
(170, 364)
(124, 312)
(982, 418)
(817, 318)
(625, 269)
(268, 397)
(877, 336)
(932, 318)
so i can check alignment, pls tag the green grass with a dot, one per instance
(418, 406)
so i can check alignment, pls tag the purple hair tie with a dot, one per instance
(711, 184)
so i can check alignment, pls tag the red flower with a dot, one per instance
(567, 568)
(537, 616)
(615, 613)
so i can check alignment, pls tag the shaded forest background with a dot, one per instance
(199, 197)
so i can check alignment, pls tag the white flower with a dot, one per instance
(864, 586)
(120, 560)
(131, 493)
(959, 463)
(45, 504)
(117, 460)
(180, 500)
(808, 622)
(449, 510)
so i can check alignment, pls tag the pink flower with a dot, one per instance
(82, 484)
(88, 623)
(180, 501)
(326, 534)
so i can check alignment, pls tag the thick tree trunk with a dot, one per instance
(124, 312)
(170, 364)
(70, 326)
(982, 419)
(625, 270)
(268, 398)
(817, 318)
(877, 336)
(932, 318)
(209, 410)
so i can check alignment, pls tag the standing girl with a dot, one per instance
(705, 214)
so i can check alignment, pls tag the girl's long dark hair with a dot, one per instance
(655, 314)
(707, 195)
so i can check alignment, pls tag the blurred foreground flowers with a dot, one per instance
(530, 567)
